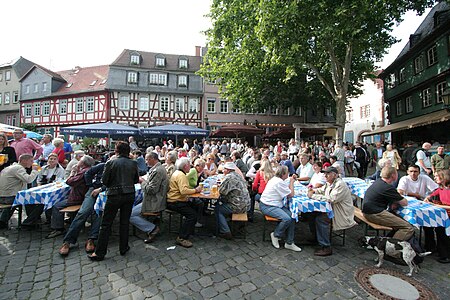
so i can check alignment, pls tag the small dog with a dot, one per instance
(394, 248)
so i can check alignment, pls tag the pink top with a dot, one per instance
(26, 146)
(443, 195)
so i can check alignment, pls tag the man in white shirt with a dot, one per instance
(416, 185)
(305, 170)
(423, 159)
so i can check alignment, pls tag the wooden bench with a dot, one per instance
(239, 218)
(369, 225)
(147, 215)
(71, 211)
(266, 220)
(170, 213)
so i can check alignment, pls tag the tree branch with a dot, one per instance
(322, 80)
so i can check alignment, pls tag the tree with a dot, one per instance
(264, 51)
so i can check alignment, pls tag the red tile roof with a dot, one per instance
(80, 80)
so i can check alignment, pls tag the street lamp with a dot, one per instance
(446, 99)
(373, 126)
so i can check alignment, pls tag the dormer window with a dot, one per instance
(135, 59)
(160, 62)
(182, 80)
(183, 63)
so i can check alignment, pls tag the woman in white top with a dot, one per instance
(318, 178)
(393, 156)
(272, 205)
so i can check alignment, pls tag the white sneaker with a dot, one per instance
(292, 247)
(275, 241)
(198, 225)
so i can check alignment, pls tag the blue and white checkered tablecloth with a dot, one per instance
(301, 203)
(99, 205)
(419, 213)
(357, 186)
(48, 194)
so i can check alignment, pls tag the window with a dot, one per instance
(36, 88)
(27, 89)
(211, 105)
(79, 105)
(327, 111)
(284, 111)
(193, 105)
(37, 109)
(179, 104)
(426, 97)
(298, 111)
(164, 103)
(7, 98)
(224, 106)
(124, 102)
(45, 108)
(44, 86)
(364, 111)
(183, 63)
(440, 87)
(63, 107)
(432, 55)
(418, 64)
(134, 60)
(132, 77)
(27, 112)
(8, 75)
(160, 62)
(391, 81)
(272, 110)
(1, 98)
(158, 79)
(401, 75)
(1, 76)
(349, 114)
(93, 83)
(399, 110)
(408, 104)
(144, 103)
(236, 109)
(89, 104)
(182, 80)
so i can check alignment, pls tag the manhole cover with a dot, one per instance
(389, 284)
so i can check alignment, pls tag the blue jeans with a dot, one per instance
(287, 224)
(222, 210)
(86, 210)
(140, 222)
(319, 225)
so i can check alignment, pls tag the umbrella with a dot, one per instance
(8, 129)
(238, 130)
(174, 130)
(101, 130)
(33, 135)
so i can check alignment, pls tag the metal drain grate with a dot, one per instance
(363, 277)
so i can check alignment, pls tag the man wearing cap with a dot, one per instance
(234, 199)
(305, 170)
(285, 161)
(382, 194)
(338, 194)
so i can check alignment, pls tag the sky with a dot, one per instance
(60, 35)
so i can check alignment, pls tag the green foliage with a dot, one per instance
(89, 141)
(29, 127)
(271, 52)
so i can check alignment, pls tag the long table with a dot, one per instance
(357, 186)
(99, 205)
(301, 203)
(419, 213)
(48, 194)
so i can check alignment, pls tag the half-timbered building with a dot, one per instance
(147, 89)
(53, 100)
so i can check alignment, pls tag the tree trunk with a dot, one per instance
(340, 118)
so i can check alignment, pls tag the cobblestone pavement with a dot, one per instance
(31, 268)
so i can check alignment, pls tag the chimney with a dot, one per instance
(197, 50)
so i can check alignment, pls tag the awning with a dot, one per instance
(435, 117)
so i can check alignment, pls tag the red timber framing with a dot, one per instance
(136, 115)
(73, 113)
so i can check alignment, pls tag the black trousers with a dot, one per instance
(123, 202)
(362, 170)
(443, 241)
(189, 211)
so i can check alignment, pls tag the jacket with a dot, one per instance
(59, 173)
(78, 187)
(233, 191)
(339, 195)
(15, 178)
(179, 187)
(155, 189)
(120, 176)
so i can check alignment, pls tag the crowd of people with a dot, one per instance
(169, 175)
